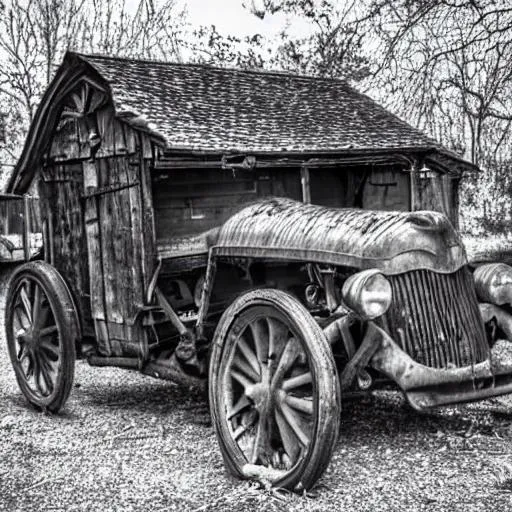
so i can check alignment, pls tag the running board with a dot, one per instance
(120, 362)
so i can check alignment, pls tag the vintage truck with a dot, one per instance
(280, 239)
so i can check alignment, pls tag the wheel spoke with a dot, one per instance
(25, 364)
(49, 372)
(26, 303)
(304, 405)
(297, 381)
(260, 338)
(37, 374)
(24, 355)
(242, 403)
(41, 384)
(21, 315)
(241, 430)
(290, 445)
(49, 347)
(249, 355)
(22, 350)
(48, 331)
(294, 421)
(36, 305)
(242, 379)
(260, 450)
(290, 353)
(240, 364)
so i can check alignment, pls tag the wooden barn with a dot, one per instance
(137, 162)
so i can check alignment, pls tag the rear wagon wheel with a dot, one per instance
(42, 329)
(274, 391)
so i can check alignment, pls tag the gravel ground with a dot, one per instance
(126, 442)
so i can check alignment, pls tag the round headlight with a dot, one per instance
(368, 293)
(493, 283)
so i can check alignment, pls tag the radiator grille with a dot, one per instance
(435, 318)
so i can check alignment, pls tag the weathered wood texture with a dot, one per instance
(71, 140)
(100, 223)
(191, 201)
(438, 192)
(60, 190)
(387, 190)
(121, 254)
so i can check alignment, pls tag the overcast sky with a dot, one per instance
(230, 17)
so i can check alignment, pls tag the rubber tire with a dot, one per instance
(66, 320)
(323, 367)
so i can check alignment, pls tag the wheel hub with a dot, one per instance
(260, 395)
(29, 338)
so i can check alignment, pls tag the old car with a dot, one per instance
(280, 239)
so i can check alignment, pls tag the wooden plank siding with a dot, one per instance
(60, 191)
(192, 201)
(148, 220)
(100, 226)
(126, 247)
(92, 227)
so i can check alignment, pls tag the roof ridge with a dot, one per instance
(204, 65)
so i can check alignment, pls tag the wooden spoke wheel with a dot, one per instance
(274, 391)
(41, 328)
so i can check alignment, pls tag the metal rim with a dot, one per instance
(269, 391)
(37, 339)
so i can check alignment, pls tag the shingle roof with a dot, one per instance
(195, 107)
(200, 107)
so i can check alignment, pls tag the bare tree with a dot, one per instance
(332, 47)
(34, 35)
(206, 45)
(447, 65)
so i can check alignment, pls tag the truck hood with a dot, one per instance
(393, 242)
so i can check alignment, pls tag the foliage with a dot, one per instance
(444, 65)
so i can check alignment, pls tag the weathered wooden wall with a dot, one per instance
(437, 191)
(60, 191)
(387, 189)
(191, 201)
(97, 204)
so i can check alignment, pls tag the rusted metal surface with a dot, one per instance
(493, 283)
(393, 242)
(110, 189)
(361, 358)
(427, 387)
(435, 318)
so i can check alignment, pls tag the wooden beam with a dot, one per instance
(26, 227)
(414, 185)
(304, 180)
(170, 163)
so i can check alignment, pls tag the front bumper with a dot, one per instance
(427, 387)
